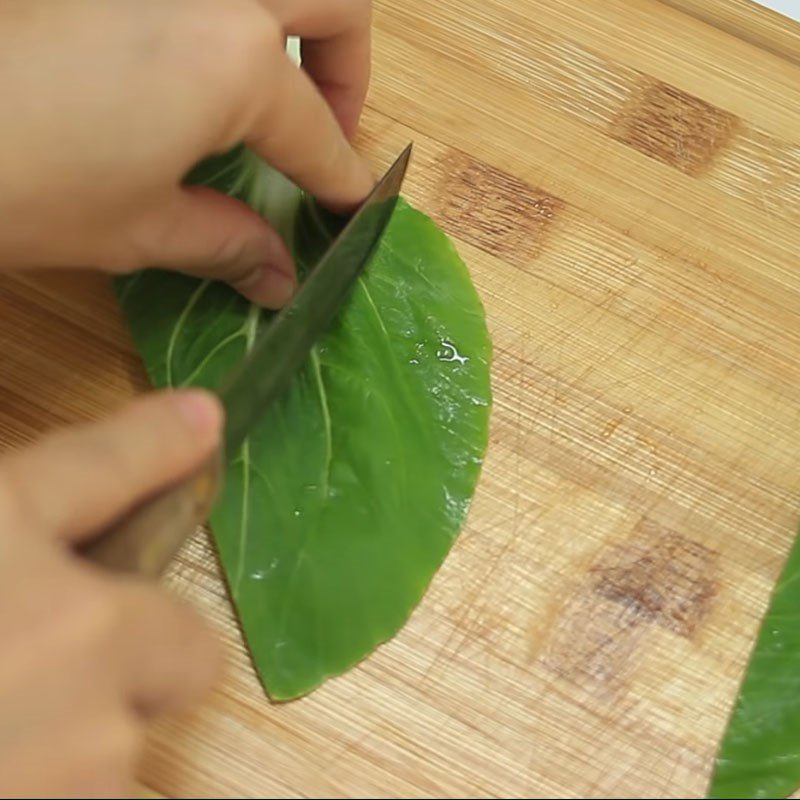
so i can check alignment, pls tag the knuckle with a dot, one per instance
(246, 40)
(267, 35)
(217, 40)
(249, 33)
(237, 261)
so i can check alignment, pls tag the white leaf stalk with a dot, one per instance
(268, 191)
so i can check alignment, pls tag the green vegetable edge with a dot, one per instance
(759, 756)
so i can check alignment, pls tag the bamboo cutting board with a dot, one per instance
(623, 179)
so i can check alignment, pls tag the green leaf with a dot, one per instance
(345, 499)
(760, 753)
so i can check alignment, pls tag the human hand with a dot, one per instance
(335, 46)
(107, 107)
(90, 657)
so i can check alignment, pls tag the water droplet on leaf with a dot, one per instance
(448, 352)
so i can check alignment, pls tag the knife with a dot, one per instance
(145, 540)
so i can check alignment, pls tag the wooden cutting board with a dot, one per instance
(623, 179)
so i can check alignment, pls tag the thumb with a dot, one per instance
(210, 235)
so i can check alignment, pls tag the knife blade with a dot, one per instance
(287, 341)
(146, 539)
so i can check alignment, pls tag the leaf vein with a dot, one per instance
(179, 326)
(326, 420)
(211, 353)
(251, 327)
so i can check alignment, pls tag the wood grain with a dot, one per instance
(623, 179)
(744, 19)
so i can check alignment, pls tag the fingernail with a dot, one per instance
(273, 288)
(202, 410)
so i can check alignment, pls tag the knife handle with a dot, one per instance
(147, 538)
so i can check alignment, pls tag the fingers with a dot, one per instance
(169, 657)
(205, 233)
(88, 658)
(90, 753)
(295, 130)
(75, 481)
(256, 95)
(342, 81)
(335, 39)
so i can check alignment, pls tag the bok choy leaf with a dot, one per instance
(345, 499)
